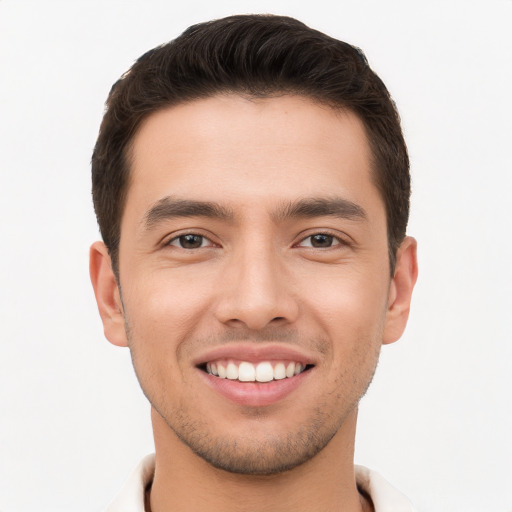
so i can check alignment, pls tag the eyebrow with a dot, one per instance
(321, 207)
(170, 208)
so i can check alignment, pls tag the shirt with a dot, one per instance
(384, 496)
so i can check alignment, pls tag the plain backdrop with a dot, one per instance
(437, 421)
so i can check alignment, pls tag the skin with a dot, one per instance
(259, 276)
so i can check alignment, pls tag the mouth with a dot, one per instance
(255, 375)
(262, 371)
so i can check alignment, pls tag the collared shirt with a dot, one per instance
(384, 496)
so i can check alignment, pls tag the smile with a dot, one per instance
(264, 371)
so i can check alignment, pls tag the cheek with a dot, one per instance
(161, 315)
(351, 312)
(164, 301)
(350, 303)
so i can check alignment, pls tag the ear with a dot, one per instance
(107, 294)
(400, 290)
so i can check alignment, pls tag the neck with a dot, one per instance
(183, 481)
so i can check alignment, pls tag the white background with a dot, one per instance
(437, 421)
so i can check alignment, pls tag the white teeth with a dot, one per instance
(232, 371)
(264, 372)
(248, 372)
(221, 369)
(279, 371)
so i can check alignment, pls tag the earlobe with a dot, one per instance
(400, 291)
(107, 294)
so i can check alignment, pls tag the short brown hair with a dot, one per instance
(254, 55)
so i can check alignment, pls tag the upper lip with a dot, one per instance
(255, 352)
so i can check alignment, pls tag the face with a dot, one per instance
(254, 278)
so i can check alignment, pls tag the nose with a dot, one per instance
(256, 291)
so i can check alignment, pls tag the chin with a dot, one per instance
(270, 457)
(264, 451)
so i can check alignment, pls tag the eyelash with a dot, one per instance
(335, 241)
(183, 236)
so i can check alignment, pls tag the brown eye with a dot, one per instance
(320, 241)
(189, 241)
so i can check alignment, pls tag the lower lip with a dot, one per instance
(255, 394)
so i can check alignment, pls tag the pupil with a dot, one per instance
(191, 241)
(321, 241)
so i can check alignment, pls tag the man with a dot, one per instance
(251, 184)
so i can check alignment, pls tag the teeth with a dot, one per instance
(279, 371)
(248, 372)
(264, 372)
(221, 369)
(232, 371)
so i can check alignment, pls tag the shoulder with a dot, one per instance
(131, 496)
(384, 496)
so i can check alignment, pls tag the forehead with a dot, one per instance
(249, 152)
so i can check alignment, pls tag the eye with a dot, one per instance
(320, 241)
(190, 241)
